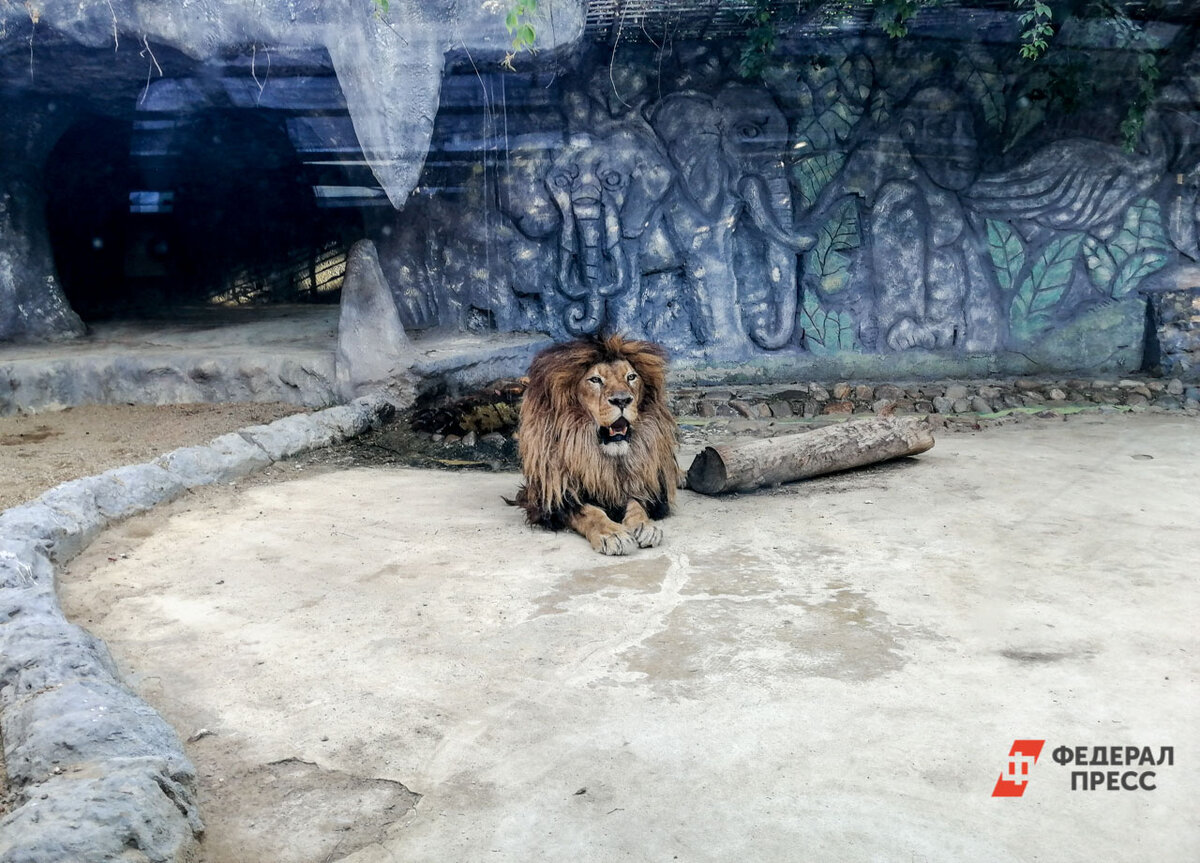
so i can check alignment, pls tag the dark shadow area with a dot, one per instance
(88, 177)
(201, 206)
(245, 224)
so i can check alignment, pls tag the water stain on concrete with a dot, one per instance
(711, 642)
(391, 572)
(641, 574)
(846, 637)
(733, 572)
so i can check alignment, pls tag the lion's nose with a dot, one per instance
(621, 401)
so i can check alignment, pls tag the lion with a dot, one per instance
(597, 442)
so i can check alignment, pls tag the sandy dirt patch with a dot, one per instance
(39, 451)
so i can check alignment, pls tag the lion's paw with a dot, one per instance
(647, 535)
(615, 543)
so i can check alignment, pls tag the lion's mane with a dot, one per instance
(560, 454)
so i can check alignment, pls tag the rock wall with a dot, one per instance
(875, 206)
(32, 303)
(861, 207)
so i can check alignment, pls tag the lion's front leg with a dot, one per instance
(605, 535)
(641, 527)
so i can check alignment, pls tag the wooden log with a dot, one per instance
(741, 467)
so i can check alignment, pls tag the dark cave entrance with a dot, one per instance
(88, 176)
(214, 206)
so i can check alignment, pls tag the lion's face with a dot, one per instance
(596, 429)
(611, 393)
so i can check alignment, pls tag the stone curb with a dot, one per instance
(98, 774)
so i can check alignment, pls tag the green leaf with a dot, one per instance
(1101, 265)
(831, 331)
(826, 260)
(1136, 268)
(510, 20)
(824, 332)
(814, 173)
(1024, 121)
(833, 269)
(842, 229)
(834, 96)
(1044, 287)
(1007, 252)
(983, 80)
(1142, 230)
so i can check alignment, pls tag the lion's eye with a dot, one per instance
(595, 379)
(631, 377)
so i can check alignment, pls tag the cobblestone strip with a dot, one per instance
(96, 773)
(981, 398)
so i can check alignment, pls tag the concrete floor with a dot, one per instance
(833, 670)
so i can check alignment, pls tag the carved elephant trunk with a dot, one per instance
(589, 229)
(769, 202)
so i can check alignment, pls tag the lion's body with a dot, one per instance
(597, 442)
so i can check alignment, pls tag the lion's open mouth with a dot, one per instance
(618, 432)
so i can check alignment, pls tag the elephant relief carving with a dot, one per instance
(607, 191)
(730, 215)
(933, 285)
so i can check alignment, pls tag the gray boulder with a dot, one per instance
(373, 352)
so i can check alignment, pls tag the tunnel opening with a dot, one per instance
(88, 176)
(204, 199)
(239, 214)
